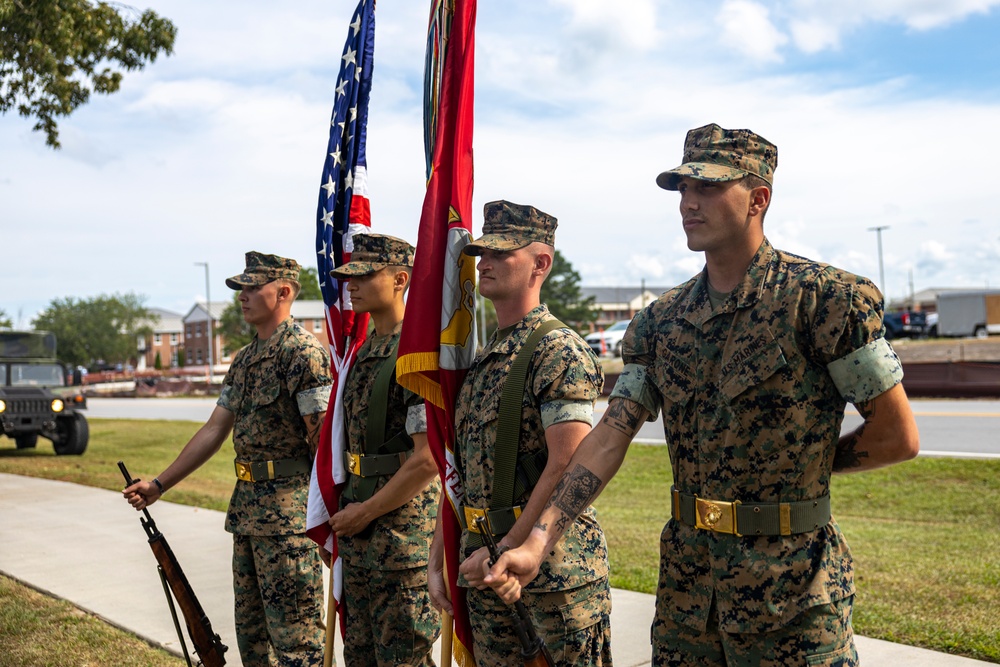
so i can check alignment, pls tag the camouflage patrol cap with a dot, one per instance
(712, 153)
(374, 252)
(508, 226)
(262, 269)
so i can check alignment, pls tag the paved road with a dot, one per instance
(947, 427)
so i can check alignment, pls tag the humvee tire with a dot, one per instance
(73, 435)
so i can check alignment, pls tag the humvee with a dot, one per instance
(36, 395)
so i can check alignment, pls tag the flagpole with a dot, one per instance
(447, 629)
(331, 623)
(447, 622)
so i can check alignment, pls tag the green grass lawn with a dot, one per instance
(925, 534)
(40, 631)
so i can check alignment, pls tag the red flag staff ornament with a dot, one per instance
(438, 340)
(342, 211)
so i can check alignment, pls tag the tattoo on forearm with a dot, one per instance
(623, 416)
(575, 491)
(314, 423)
(848, 455)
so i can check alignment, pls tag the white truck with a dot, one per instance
(968, 313)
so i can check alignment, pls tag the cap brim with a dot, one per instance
(702, 171)
(356, 269)
(246, 280)
(493, 242)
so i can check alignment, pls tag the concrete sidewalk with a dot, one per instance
(85, 545)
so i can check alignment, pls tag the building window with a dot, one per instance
(317, 326)
(198, 352)
(157, 339)
(173, 339)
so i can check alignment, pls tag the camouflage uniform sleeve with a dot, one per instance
(566, 379)
(416, 419)
(638, 353)
(228, 395)
(309, 379)
(849, 338)
(226, 398)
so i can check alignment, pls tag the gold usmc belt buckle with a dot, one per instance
(473, 513)
(353, 463)
(716, 515)
(243, 472)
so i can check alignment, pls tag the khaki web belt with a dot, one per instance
(740, 519)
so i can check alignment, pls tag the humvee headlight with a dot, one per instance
(3, 406)
(57, 405)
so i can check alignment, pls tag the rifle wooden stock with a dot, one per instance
(534, 652)
(207, 644)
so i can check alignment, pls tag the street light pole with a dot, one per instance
(208, 308)
(881, 271)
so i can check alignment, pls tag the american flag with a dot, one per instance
(438, 340)
(343, 211)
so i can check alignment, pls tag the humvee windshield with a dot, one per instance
(32, 375)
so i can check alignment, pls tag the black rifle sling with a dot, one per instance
(509, 419)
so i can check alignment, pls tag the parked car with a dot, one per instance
(905, 324)
(931, 326)
(612, 337)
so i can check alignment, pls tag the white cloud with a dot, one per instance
(217, 149)
(747, 28)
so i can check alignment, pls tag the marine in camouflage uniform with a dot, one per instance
(271, 385)
(752, 383)
(570, 600)
(387, 613)
(273, 401)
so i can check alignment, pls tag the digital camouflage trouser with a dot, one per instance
(574, 624)
(389, 618)
(821, 636)
(278, 584)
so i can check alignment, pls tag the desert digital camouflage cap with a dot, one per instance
(712, 153)
(373, 252)
(262, 269)
(508, 226)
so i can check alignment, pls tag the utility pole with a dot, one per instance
(881, 270)
(208, 308)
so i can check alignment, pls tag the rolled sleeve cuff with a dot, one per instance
(555, 412)
(225, 398)
(634, 384)
(416, 419)
(867, 372)
(312, 401)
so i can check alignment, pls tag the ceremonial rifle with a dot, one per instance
(207, 644)
(534, 652)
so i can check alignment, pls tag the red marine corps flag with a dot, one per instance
(342, 212)
(437, 344)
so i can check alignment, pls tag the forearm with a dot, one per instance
(888, 435)
(596, 461)
(199, 449)
(412, 477)
(314, 427)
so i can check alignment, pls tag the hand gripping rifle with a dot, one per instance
(207, 644)
(534, 652)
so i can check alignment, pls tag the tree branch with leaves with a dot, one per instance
(55, 53)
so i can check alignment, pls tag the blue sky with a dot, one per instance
(884, 114)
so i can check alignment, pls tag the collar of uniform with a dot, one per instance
(513, 341)
(273, 342)
(699, 308)
(381, 346)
